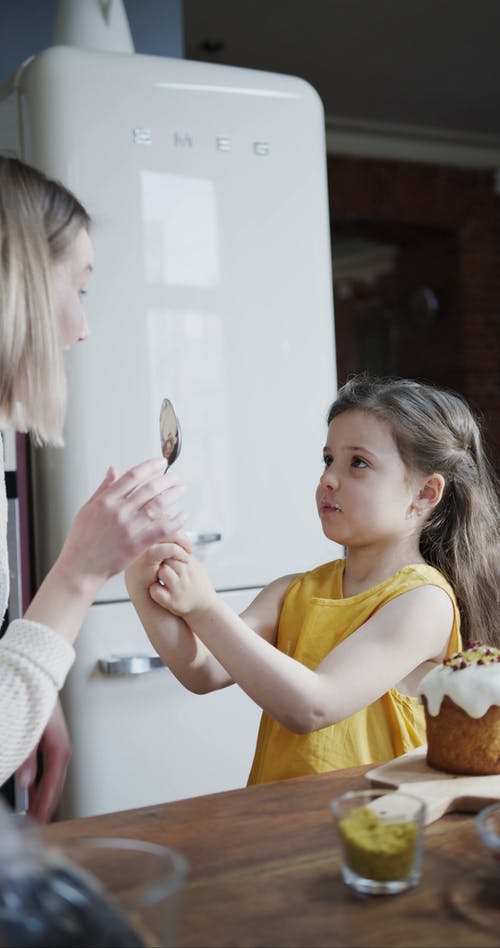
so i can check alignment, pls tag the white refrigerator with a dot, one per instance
(208, 193)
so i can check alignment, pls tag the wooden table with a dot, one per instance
(264, 871)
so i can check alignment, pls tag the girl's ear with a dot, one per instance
(431, 492)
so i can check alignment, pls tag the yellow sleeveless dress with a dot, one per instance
(314, 619)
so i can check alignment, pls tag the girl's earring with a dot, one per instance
(415, 510)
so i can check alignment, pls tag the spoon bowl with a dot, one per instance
(170, 432)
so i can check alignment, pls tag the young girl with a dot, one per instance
(334, 657)
(46, 258)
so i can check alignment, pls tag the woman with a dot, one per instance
(46, 258)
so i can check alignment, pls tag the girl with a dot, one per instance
(46, 258)
(334, 657)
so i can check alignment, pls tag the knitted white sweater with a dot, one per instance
(34, 662)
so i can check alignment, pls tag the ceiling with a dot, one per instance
(434, 64)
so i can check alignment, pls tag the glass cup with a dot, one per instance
(381, 839)
(142, 882)
(487, 823)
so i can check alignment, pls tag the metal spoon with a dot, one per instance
(170, 432)
(171, 441)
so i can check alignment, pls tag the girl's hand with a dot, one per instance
(143, 572)
(122, 518)
(182, 586)
(183, 652)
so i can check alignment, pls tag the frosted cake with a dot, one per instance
(461, 700)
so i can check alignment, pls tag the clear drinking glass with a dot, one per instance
(381, 839)
(143, 882)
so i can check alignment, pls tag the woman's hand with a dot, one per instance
(45, 789)
(122, 518)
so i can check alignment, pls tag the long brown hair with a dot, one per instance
(39, 220)
(435, 431)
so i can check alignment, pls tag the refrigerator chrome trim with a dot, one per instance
(127, 665)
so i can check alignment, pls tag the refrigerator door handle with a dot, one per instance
(126, 665)
(199, 539)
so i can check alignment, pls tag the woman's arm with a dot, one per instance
(122, 518)
(34, 662)
(399, 637)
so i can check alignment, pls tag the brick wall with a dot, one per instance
(445, 222)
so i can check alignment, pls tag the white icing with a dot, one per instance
(474, 688)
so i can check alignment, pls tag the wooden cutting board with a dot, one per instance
(441, 792)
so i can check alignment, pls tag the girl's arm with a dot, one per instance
(185, 654)
(396, 640)
(180, 649)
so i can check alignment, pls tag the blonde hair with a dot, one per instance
(435, 431)
(39, 220)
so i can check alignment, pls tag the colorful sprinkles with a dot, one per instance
(474, 654)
